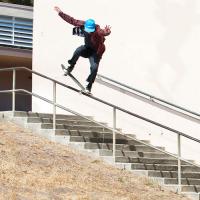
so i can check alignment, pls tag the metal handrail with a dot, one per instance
(151, 99)
(105, 126)
(179, 134)
(104, 102)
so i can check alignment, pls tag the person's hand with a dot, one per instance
(108, 28)
(57, 9)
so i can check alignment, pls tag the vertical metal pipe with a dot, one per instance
(54, 105)
(13, 91)
(179, 163)
(114, 133)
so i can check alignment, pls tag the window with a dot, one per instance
(16, 31)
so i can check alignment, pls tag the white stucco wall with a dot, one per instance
(154, 46)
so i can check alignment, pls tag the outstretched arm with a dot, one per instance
(68, 18)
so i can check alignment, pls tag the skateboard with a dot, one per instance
(82, 88)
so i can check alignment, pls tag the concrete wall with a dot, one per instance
(154, 46)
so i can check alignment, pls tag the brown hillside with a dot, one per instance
(33, 168)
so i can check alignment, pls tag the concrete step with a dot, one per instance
(103, 134)
(96, 139)
(62, 121)
(184, 181)
(171, 161)
(106, 152)
(162, 169)
(74, 127)
(102, 138)
(186, 173)
(190, 188)
(192, 195)
(191, 191)
(47, 115)
(123, 147)
(86, 133)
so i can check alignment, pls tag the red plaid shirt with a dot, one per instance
(97, 37)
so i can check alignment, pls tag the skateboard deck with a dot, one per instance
(83, 90)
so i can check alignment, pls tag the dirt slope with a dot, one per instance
(32, 168)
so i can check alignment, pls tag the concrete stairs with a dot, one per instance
(131, 154)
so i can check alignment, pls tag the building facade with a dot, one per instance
(16, 33)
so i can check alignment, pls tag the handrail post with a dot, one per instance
(13, 91)
(114, 133)
(179, 163)
(54, 105)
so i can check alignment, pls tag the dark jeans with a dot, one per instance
(85, 52)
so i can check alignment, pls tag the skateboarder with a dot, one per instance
(93, 48)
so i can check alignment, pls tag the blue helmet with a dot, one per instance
(89, 25)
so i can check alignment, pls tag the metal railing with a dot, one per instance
(15, 31)
(114, 107)
(148, 98)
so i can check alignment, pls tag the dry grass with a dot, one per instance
(32, 167)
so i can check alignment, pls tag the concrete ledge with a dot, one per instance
(15, 52)
(15, 10)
